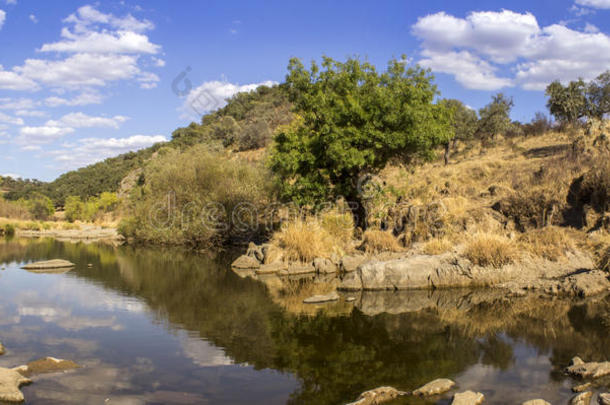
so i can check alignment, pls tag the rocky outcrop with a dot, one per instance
(436, 387)
(579, 368)
(378, 396)
(49, 265)
(468, 398)
(324, 266)
(604, 399)
(10, 381)
(536, 402)
(350, 264)
(319, 299)
(245, 262)
(581, 387)
(584, 398)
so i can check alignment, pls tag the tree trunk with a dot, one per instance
(447, 152)
(358, 211)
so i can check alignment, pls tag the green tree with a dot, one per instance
(464, 123)
(495, 117)
(568, 103)
(352, 120)
(40, 206)
(73, 208)
(598, 95)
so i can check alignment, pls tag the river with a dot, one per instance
(165, 326)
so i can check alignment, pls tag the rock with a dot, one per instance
(10, 381)
(48, 265)
(2, 351)
(350, 263)
(536, 402)
(435, 387)
(246, 262)
(271, 268)
(318, 299)
(272, 254)
(468, 398)
(46, 365)
(588, 370)
(581, 388)
(350, 299)
(324, 266)
(584, 284)
(604, 399)
(576, 361)
(584, 398)
(378, 396)
(89, 265)
(297, 269)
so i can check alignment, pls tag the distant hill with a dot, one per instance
(247, 122)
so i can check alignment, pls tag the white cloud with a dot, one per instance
(31, 113)
(2, 18)
(80, 120)
(41, 135)
(81, 99)
(590, 28)
(87, 16)
(475, 48)
(17, 104)
(594, 3)
(91, 150)
(10, 120)
(102, 42)
(9, 80)
(212, 95)
(158, 62)
(33, 19)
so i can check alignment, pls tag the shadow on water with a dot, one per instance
(479, 338)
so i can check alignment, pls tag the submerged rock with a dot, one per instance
(581, 369)
(10, 381)
(246, 262)
(435, 387)
(468, 398)
(318, 299)
(584, 398)
(49, 265)
(378, 396)
(604, 399)
(46, 365)
(536, 402)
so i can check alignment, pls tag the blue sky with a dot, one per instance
(81, 81)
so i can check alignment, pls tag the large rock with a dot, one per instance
(10, 381)
(436, 387)
(585, 284)
(604, 399)
(588, 370)
(377, 396)
(324, 266)
(350, 264)
(318, 299)
(536, 402)
(295, 269)
(584, 398)
(256, 252)
(49, 265)
(46, 365)
(468, 398)
(271, 268)
(246, 262)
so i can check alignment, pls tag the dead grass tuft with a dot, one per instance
(376, 241)
(437, 246)
(551, 243)
(491, 250)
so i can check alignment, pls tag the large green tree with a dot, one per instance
(464, 121)
(567, 103)
(351, 121)
(598, 95)
(495, 117)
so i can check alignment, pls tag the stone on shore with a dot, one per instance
(438, 386)
(581, 369)
(271, 268)
(246, 262)
(296, 269)
(349, 264)
(536, 402)
(319, 299)
(324, 266)
(584, 398)
(581, 388)
(468, 398)
(604, 399)
(46, 365)
(10, 381)
(377, 396)
(49, 265)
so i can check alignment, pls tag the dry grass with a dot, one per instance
(491, 250)
(376, 241)
(437, 246)
(551, 243)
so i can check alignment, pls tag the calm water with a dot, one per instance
(164, 326)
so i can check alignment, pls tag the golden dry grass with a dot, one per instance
(551, 242)
(377, 241)
(438, 246)
(491, 250)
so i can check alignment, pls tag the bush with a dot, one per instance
(74, 208)
(490, 250)
(14, 210)
(595, 187)
(8, 230)
(376, 241)
(551, 242)
(437, 246)
(39, 205)
(303, 240)
(198, 198)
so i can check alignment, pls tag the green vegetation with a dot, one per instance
(351, 122)
(94, 207)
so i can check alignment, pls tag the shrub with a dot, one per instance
(14, 210)
(595, 187)
(551, 242)
(8, 230)
(375, 241)
(73, 208)
(490, 250)
(40, 206)
(437, 246)
(340, 225)
(303, 240)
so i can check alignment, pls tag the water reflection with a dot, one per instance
(167, 326)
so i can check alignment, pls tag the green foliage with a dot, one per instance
(495, 117)
(568, 103)
(39, 205)
(598, 94)
(190, 198)
(538, 126)
(351, 121)
(76, 209)
(8, 230)
(465, 119)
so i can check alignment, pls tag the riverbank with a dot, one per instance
(61, 230)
